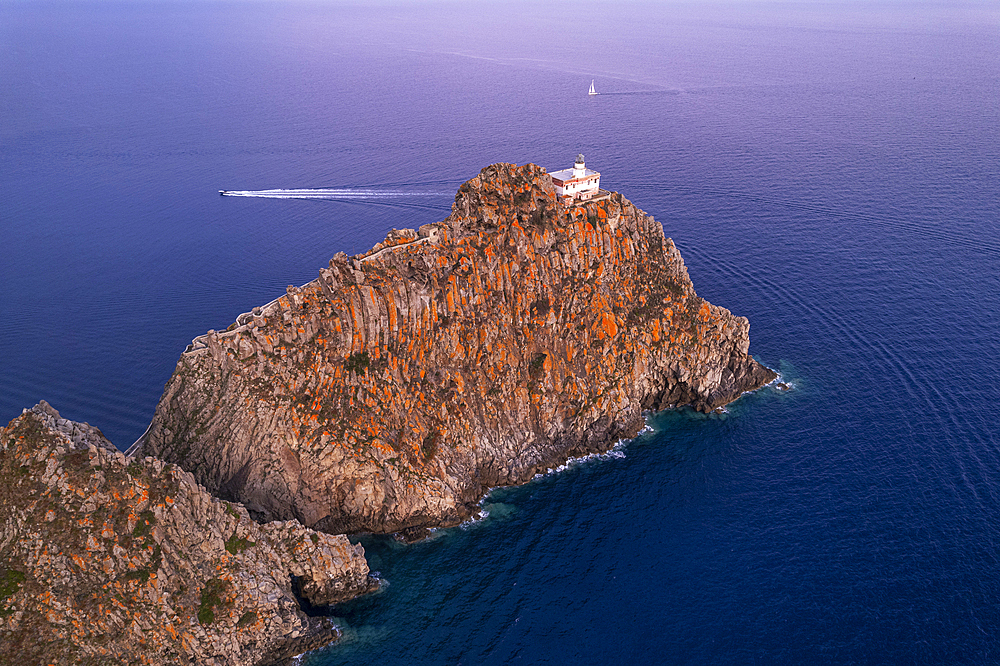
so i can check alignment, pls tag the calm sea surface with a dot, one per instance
(831, 171)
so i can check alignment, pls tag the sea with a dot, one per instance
(830, 170)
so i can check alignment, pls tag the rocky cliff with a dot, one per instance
(391, 392)
(108, 561)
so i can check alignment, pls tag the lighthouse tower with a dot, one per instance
(578, 183)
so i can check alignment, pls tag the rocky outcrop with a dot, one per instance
(391, 392)
(108, 561)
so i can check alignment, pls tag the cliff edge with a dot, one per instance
(393, 391)
(108, 561)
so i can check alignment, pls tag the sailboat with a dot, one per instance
(592, 91)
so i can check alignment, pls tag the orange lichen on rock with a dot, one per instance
(118, 552)
(467, 354)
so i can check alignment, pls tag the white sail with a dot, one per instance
(592, 91)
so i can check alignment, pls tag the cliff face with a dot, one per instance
(104, 561)
(394, 390)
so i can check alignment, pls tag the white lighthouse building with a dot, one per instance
(578, 183)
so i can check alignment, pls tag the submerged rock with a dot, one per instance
(391, 392)
(104, 560)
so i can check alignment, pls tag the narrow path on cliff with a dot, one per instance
(418, 241)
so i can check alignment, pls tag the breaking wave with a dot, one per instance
(616, 451)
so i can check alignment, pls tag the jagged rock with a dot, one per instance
(393, 391)
(106, 562)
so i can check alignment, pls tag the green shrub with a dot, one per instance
(429, 446)
(144, 525)
(236, 545)
(10, 582)
(157, 559)
(357, 362)
(247, 619)
(211, 597)
(141, 575)
(537, 365)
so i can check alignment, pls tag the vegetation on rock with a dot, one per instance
(103, 562)
(394, 390)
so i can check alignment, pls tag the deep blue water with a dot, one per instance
(831, 171)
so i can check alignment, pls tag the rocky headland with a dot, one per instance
(390, 393)
(387, 395)
(105, 560)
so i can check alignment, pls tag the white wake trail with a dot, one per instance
(329, 193)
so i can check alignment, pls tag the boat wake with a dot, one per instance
(331, 193)
(643, 92)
